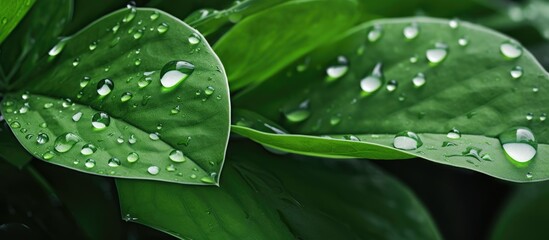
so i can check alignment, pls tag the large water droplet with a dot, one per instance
(88, 149)
(153, 170)
(437, 54)
(407, 140)
(373, 81)
(375, 33)
(114, 162)
(339, 69)
(411, 31)
(104, 87)
(419, 80)
(519, 144)
(101, 120)
(301, 113)
(65, 142)
(177, 156)
(175, 72)
(454, 134)
(15, 125)
(510, 50)
(90, 163)
(516, 72)
(132, 157)
(42, 138)
(76, 117)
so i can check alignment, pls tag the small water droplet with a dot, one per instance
(104, 87)
(154, 15)
(373, 81)
(48, 155)
(75, 62)
(407, 140)
(131, 14)
(101, 120)
(516, 72)
(454, 134)
(463, 41)
(132, 157)
(132, 139)
(93, 45)
(114, 162)
(510, 50)
(351, 138)
(114, 42)
(88, 149)
(208, 180)
(392, 85)
(375, 33)
(171, 168)
(154, 136)
(42, 138)
(48, 105)
(301, 113)
(535, 89)
(137, 62)
(126, 96)
(454, 23)
(58, 48)
(175, 72)
(177, 156)
(138, 34)
(90, 163)
(437, 54)
(411, 31)
(65, 142)
(419, 80)
(120, 140)
(153, 170)
(529, 116)
(529, 175)
(519, 144)
(175, 110)
(542, 117)
(15, 125)
(162, 28)
(335, 120)
(84, 82)
(339, 69)
(194, 39)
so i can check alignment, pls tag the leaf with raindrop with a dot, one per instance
(94, 110)
(265, 196)
(259, 46)
(11, 13)
(478, 104)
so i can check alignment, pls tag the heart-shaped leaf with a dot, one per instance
(264, 196)
(259, 46)
(11, 13)
(457, 85)
(129, 96)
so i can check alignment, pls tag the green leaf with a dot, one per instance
(69, 91)
(264, 196)
(10, 149)
(259, 45)
(525, 214)
(33, 37)
(471, 89)
(11, 13)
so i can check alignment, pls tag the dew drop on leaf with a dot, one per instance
(194, 39)
(92, 46)
(453, 134)
(529, 116)
(437, 54)
(90, 163)
(132, 139)
(65, 142)
(519, 144)
(339, 69)
(132, 157)
(510, 50)
(299, 114)
(162, 28)
(154, 136)
(126, 96)
(48, 155)
(375, 33)
(209, 91)
(463, 41)
(407, 140)
(175, 72)
(516, 72)
(48, 105)
(131, 14)
(542, 117)
(88, 149)
(58, 48)
(42, 138)
(154, 15)
(76, 117)
(101, 120)
(411, 31)
(15, 125)
(153, 170)
(392, 85)
(114, 162)
(373, 81)
(84, 82)
(170, 168)
(104, 87)
(454, 23)
(177, 156)
(419, 80)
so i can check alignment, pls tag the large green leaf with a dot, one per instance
(259, 46)
(471, 90)
(151, 123)
(11, 13)
(33, 37)
(264, 196)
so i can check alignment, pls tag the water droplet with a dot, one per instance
(419, 80)
(104, 87)
(175, 72)
(542, 117)
(145, 80)
(120, 140)
(209, 91)
(511, 50)
(84, 82)
(75, 62)
(101, 120)
(15, 125)
(392, 85)
(407, 140)
(463, 41)
(25, 96)
(23, 130)
(375, 33)
(301, 113)
(208, 180)
(130, 16)
(137, 62)
(339, 69)
(90, 163)
(529, 175)
(114, 42)
(58, 48)
(516, 72)
(162, 28)
(138, 34)
(177, 156)
(171, 168)
(65, 142)
(114, 162)
(194, 39)
(153, 170)
(335, 120)
(115, 28)
(351, 138)
(372, 82)
(48, 155)
(43, 125)
(154, 15)
(411, 31)
(92, 46)
(126, 96)
(88, 149)
(535, 89)
(175, 110)
(437, 54)
(454, 134)
(42, 138)
(448, 144)
(529, 116)
(519, 144)
(154, 136)
(132, 157)
(454, 23)
(132, 139)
